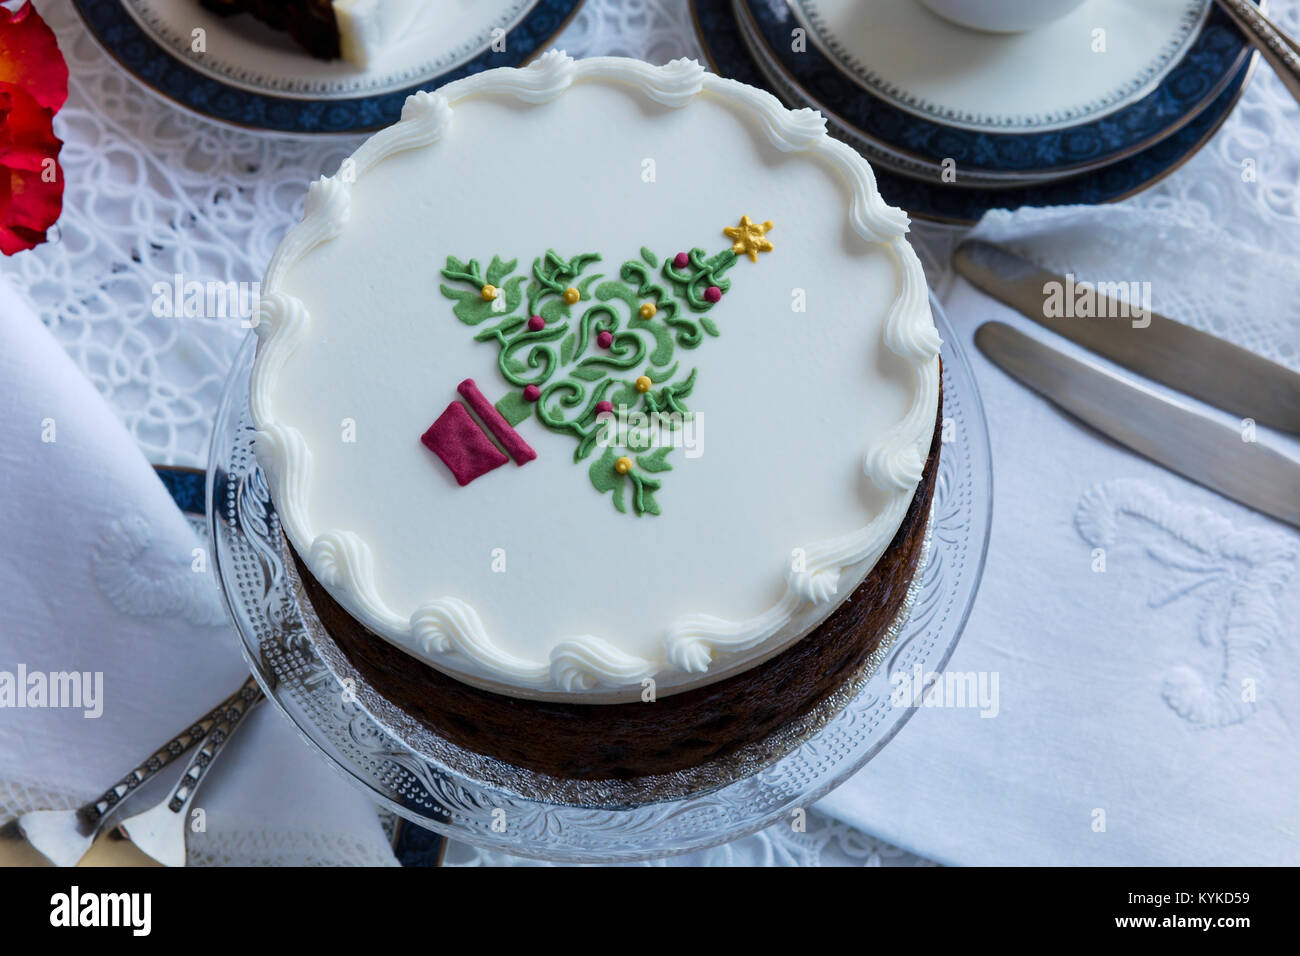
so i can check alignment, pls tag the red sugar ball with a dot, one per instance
(536, 324)
(604, 407)
(713, 293)
(681, 260)
(532, 393)
(605, 339)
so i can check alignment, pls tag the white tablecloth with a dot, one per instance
(154, 191)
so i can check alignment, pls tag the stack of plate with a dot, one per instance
(1089, 108)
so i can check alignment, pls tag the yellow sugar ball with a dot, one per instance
(643, 383)
(489, 292)
(571, 295)
(623, 465)
(648, 310)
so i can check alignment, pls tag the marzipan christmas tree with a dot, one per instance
(576, 346)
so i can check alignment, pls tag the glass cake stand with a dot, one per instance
(466, 796)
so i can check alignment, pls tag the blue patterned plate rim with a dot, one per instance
(161, 71)
(1205, 71)
(1194, 15)
(719, 36)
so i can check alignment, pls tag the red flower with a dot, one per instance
(33, 86)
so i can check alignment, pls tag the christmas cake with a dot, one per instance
(599, 405)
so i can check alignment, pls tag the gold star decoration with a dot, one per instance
(749, 238)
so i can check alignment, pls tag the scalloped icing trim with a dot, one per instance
(448, 632)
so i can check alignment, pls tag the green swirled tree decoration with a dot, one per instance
(595, 345)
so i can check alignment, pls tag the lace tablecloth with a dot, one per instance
(154, 192)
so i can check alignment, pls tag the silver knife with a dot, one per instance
(1177, 355)
(1165, 431)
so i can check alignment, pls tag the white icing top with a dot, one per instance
(814, 407)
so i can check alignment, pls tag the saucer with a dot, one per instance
(1109, 80)
(878, 153)
(936, 201)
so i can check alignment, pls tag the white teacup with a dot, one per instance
(1002, 16)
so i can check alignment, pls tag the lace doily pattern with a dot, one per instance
(154, 193)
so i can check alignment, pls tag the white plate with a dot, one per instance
(242, 52)
(238, 71)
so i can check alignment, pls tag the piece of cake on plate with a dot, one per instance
(600, 404)
(354, 30)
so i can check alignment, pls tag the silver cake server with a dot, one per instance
(160, 831)
(62, 837)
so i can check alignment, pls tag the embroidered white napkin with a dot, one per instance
(1147, 713)
(101, 575)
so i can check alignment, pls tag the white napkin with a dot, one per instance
(97, 574)
(1125, 729)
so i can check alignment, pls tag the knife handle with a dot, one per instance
(230, 721)
(1274, 45)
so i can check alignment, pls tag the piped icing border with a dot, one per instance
(447, 632)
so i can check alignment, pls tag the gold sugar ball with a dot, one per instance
(571, 295)
(623, 465)
(643, 383)
(489, 292)
(648, 310)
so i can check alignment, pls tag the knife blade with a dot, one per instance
(1169, 433)
(1194, 362)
